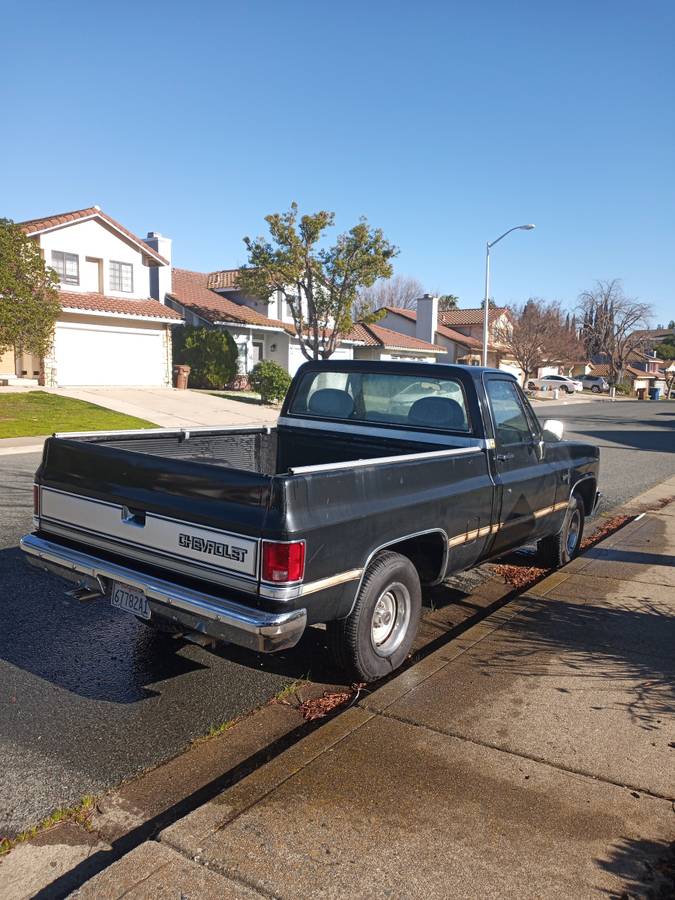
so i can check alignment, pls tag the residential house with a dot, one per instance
(459, 331)
(264, 329)
(645, 370)
(113, 328)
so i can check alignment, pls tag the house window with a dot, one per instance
(121, 277)
(67, 266)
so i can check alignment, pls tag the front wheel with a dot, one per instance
(377, 635)
(595, 389)
(558, 549)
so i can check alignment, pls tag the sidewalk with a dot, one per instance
(168, 407)
(534, 756)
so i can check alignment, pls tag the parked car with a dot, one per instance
(595, 383)
(336, 517)
(549, 382)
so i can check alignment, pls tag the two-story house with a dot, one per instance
(114, 328)
(458, 331)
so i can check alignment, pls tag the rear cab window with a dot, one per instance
(384, 398)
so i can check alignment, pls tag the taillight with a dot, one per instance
(283, 562)
(36, 500)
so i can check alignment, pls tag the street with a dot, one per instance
(636, 440)
(89, 696)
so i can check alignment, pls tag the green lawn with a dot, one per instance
(36, 412)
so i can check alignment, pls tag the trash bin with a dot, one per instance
(641, 393)
(181, 375)
(654, 393)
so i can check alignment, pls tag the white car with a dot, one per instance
(549, 382)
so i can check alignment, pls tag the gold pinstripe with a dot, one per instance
(469, 536)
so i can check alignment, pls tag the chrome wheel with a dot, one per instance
(573, 530)
(391, 616)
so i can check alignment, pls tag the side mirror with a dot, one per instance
(554, 428)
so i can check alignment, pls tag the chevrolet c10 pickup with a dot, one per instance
(378, 479)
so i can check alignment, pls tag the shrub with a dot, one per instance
(210, 353)
(270, 380)
(625, 388)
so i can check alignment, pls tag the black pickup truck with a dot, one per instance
(379, 477)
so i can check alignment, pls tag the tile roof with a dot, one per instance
(36, 226)
(116, 306)
(469, 316)
(191, 290)
(376, 336)
(464, 339)
(226, 279)
(602, 369)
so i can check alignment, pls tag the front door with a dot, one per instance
(525, 481)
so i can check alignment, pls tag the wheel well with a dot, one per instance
(427, 552)
(586, 490)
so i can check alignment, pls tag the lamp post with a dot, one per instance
(486, 317)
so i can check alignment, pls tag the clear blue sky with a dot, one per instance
(443, 122)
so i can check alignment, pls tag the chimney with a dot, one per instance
(427, 318)
(160, 276)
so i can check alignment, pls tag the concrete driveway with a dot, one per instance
(168, 407)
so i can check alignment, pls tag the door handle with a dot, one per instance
(504, 457)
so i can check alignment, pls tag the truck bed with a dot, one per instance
(263, 451)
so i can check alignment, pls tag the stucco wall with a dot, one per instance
(91, 239)
(7, 364)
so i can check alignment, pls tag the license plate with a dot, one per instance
(130, 599)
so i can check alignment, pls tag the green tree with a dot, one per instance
(270, 380)
(319, 283)
(210, 353)
(29, 304)
(447, 301)
(665, 349)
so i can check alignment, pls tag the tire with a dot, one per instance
(595, 389)
(570, 390)
(558, 549)
(376, 637)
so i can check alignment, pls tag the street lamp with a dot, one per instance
(486, 317)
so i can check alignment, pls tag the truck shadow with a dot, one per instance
(98, 653)
(87, 649)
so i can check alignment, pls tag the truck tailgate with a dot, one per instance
(176, 514)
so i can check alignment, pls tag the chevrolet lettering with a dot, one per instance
(212, 547)
(379, 479)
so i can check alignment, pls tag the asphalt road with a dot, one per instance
(90, 697)
(637, 441)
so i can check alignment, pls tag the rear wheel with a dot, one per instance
(560, 548)
(377, 635)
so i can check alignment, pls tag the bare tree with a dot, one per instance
(611, 322)
(539, 334)
(401, 291)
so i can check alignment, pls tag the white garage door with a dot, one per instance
(93, 355)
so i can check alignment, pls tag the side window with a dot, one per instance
(67, 266)
(511, 425)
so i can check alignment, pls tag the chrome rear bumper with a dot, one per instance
(193, 610)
